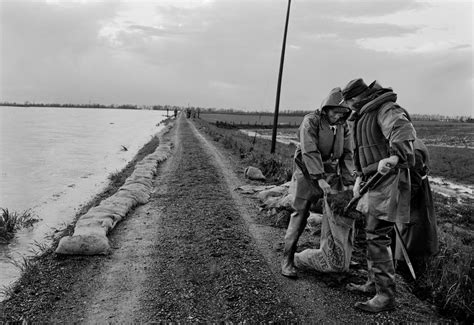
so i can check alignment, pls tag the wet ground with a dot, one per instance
(196, 252)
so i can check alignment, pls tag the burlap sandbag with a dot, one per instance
(337, 242)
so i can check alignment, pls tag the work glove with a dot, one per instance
(385, 165)
(324, 186)
(356, 188)
(348, 187)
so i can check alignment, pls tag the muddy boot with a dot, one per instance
(384, 300)
(368, 287)
(295, 227)
(380, 256)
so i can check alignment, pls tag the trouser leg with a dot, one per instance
(295, 228)
(379, 256)
(369, 286)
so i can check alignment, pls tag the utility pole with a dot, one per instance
(277, 102)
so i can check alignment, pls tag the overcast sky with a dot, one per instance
(226, 53)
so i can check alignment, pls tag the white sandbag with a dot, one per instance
(98, 214)
(336, 245)
(136, 187)
(148, 174)
(142, 197)
(314, 219)
(254, 173)
(251, 189)
(141, 180)
(125, 203)
(86, 227)
(83, 245)
(90, 232)
(272, 192)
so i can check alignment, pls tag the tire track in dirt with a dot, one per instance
(204, 267)
(305, 296)
(316, 297)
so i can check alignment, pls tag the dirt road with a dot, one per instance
(195, 253)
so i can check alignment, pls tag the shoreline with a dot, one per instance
(110, 186)
(54, 268)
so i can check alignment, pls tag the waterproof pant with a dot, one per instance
(295, 228)
(379, 256)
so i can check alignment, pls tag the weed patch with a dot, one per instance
(447, 282)
(277, 167)
(11, 221)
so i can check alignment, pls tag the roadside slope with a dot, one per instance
(194, 253)
(316, 297)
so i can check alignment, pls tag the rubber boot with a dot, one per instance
(368, 287)
(293, 233)
(384, 300)
(379, 255)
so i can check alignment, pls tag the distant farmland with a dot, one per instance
(451, 144)
(252, 119)
(445, 133)
(432, 132)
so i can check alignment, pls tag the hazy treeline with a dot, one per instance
(91, 105)
(213, 110)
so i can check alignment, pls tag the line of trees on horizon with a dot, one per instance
(214, 110)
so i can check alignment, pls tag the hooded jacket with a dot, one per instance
(381, 129)
(324, 148)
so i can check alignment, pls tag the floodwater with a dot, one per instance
(282, 137)
(53, 160)
(438, 184)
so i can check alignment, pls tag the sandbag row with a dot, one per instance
(90, 232)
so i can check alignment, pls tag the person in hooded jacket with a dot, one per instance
(322, 157)
(383, 138)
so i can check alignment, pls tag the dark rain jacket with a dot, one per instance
(323, 150)
(382, 128)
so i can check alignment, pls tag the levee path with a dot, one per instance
(194, 253)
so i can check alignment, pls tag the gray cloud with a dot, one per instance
(461, 47)
(154, 31)
(365, 8)
(353, 31)
(43, 46)
(225, 54)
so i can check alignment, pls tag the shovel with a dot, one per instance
(373, 182)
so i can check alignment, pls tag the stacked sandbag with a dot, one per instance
(90, 232)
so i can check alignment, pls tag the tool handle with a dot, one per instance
(371, 183)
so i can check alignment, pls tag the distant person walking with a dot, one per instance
(198, 111)
(383, 136)
(175, 112)
(322, 157)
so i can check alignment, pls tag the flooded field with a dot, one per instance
(53, 160)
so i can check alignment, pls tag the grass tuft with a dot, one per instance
(447, 282)
(10, 222)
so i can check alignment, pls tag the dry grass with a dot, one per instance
(277, 167)
(447, 282)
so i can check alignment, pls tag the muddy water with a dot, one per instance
(52, 160)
